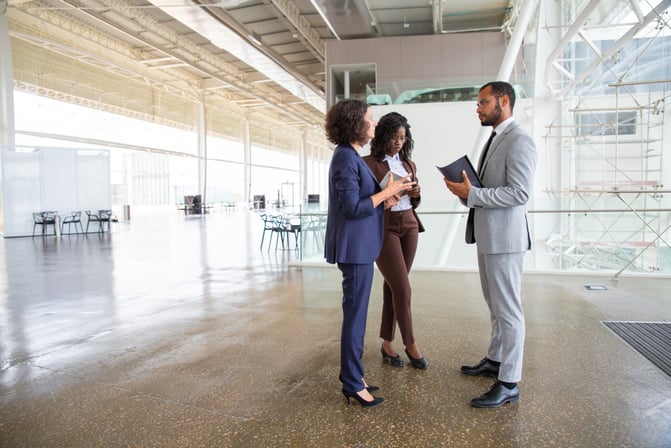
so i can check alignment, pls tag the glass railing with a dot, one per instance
(643, 251)
(313, 229)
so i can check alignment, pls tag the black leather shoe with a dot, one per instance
(497, 396)
(395, 361)
(483, 368)
(417, 363)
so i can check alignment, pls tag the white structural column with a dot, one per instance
(6, 84)
(546, 108)
(6, 108)
(513, 49)
(303, 154)
(509, 58)
(248, 160)
(346, 82)
(202, 151)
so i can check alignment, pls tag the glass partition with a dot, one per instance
(313, 229)
(563, 247)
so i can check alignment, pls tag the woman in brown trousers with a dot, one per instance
(390, 150)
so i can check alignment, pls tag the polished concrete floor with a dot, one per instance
(180, 332)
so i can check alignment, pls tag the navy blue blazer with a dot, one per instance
(354, 228)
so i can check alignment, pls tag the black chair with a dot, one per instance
(92, 218)
(268, 225)
(44, 219)
(74, 219)
(196, 205)
(105, 217)
(284, 228)
(287, 227)
(114, 219)
(188, 201)
(259, 202)
(281, 228)
(313, 199)
(276, 226)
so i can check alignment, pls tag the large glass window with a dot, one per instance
(154, 166)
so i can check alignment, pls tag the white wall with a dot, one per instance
(58, 169)
(94, 183)
(443, 132)
(414, 62)
(63, 180)
(20, 191)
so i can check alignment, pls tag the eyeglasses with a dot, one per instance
(483, 103)
(398, 139)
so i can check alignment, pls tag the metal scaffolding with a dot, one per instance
(614, 212)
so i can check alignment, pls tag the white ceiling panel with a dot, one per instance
(265, 50)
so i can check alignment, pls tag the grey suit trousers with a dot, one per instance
(501, 279)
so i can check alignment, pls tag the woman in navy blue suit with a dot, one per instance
(354, 231)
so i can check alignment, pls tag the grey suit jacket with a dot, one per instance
(500, 223)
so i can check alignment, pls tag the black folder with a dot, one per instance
(453, 171)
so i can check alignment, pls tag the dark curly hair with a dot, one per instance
(345, 123)
(385, 130)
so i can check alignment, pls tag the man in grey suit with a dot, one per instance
(498, 224)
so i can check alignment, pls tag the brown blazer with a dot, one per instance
(380, 169)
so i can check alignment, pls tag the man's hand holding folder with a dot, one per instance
(453, 171)
(459, 176)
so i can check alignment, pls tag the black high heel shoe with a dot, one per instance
(417, 363)
(370, 389)
(362, 402)
(395, 361)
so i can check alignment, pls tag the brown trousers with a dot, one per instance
(395, 260)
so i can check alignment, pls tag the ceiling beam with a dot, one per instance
(288, 10)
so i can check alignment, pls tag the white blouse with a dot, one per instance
(396, 167)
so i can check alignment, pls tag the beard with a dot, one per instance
(494, 117)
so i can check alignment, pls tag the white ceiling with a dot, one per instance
(265, 57)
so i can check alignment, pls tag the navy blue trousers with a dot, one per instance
(357, 280)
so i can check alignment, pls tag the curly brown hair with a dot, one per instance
(345, 123)
(384, 132)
